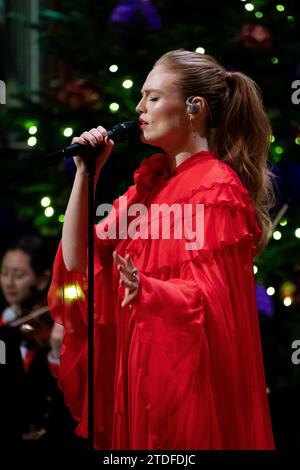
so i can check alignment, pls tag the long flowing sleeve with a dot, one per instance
(200, 366)
(67, 300)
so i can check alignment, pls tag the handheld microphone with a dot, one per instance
(123, 132)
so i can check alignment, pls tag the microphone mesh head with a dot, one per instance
(124, 132)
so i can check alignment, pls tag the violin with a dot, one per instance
(35, 327)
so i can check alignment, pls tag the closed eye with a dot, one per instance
(153, 99)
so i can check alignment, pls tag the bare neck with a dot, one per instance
(179, 155)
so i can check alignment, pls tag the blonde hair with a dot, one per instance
(239, 130)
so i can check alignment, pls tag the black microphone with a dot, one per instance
(123, 132)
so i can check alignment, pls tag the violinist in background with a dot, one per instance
(25, 277)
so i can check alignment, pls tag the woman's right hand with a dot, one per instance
(94, 137)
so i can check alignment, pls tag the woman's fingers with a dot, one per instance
(78, 140)
(125, 267)
(94, 136)
(132, 284)
(131, 289)
(90, 138)
(100, 136)
(126, 262)
(121, 265)
(102, 130)
(129, 263)
(118, 258)
(128, 297)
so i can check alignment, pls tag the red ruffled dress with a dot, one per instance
(180, 367)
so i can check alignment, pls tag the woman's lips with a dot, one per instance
(143, 124)
(10, 295)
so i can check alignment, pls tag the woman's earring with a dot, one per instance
(192, 107)
(194, 133)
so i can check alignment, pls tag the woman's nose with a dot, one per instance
(10, 280)
(139, 109)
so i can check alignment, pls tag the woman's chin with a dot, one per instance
(149, 140)
(12, 299)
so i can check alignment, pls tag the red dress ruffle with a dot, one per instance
(181, 367)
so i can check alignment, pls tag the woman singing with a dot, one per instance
(178, 361)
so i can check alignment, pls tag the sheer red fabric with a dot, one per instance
(181, 367)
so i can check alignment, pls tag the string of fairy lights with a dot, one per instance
(287, 288)
(250, 7)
